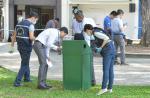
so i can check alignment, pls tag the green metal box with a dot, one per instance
(76, 65)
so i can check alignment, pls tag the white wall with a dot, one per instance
(100, 10)
(6, 20)
(98, 13)
(65, 13)
(35, 2)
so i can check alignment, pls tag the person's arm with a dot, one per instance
(50, 43)
(104, 43)
(121, 26)
(107, 23)
(13, 38)
(47, 52)
(73, 27)
(103, 37)
(31, 32)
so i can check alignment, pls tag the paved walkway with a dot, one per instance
(138, 72)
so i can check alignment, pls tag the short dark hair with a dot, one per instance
(88, 26)
(120, 11)
(57, 19)
(79, 13)
(33, 14)
(114, 13)
(64, 29)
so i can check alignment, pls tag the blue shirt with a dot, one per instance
(116, 25)
(107, 23)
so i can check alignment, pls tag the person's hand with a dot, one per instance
(49, 62)
(48, 59)
(59, 50)
(11, 49)
(98, 50)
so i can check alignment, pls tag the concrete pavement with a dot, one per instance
(137, 73)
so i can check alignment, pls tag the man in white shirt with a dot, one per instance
(42, 45)
(79, 21)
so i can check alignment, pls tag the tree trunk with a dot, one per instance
(145, 22)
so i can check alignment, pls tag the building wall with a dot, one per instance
(6, 19)
(35, 2)
(58, 10)
(9, 8)
(98, 13)
(56, 4)
(98, 9)
(11, 15)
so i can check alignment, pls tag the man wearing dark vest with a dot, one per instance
(24, 35)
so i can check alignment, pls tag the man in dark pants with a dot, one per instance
(24, 35)
(46, 40)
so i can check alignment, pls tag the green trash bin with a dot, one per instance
(76, 65)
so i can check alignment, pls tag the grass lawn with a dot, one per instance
(29, 90)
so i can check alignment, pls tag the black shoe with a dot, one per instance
(17, 84)
(42, 87)
(117, 63)
(93, 84)
(124, 64)
(48, 86)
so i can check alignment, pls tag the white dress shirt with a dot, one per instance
(87, 38)
(77, 27)
(48, 38)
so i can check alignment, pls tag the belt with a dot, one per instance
(107, 43)
(39, 42)
(118, 34)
